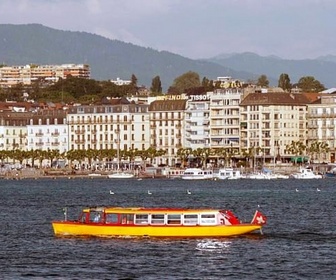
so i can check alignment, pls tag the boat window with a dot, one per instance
(157, 219)
(111, 218)
(141, 218)
(96, 216)
(173, 219)
(126, 218)
(208, 219)
(190, 219)
(82, 218)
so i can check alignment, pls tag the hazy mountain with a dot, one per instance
(331, 58)
(323, 68)
(108, 59)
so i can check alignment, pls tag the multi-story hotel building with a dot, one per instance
(270, 121)
(48, 130)
(197, 129)
(13, 130)
(167, 127)
(121, 125)
(13, 75)
(321, 125)
(225, 118)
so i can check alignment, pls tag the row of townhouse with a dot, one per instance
(225, 118)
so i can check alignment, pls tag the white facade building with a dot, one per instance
(197, 129)
(225, 118)
(100, 126)
(48, 131)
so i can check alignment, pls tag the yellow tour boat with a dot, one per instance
(157, 222)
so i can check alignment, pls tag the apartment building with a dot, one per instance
(121, 125)
(225, 118)
(167, 127)
(321, 124)
(13, 130)
(197, 129)
(26, 74)
(270, 121)
(48, 130)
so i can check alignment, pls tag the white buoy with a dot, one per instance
(111, 192)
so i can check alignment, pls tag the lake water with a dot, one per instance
(299, 241)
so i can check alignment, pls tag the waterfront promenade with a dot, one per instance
(36, 173)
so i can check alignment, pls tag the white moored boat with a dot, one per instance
(120, 175)
(197, 174)
(228, 174)
(305, 173)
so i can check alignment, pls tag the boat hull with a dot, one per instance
(79, 229)
(120, 176)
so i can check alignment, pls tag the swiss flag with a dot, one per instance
(231, 218)
(259, 218)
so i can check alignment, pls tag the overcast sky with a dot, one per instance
(292, 29)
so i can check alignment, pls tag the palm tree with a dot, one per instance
(3, 155)
(183, 154)
(317, 148)
(41, 155)
(202, 154)
(249, 154)
(52, 154)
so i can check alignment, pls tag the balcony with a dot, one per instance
(56, 143)
(39, 144)
(79, 141)
(78, 131)
(39, 134)
(55, 134)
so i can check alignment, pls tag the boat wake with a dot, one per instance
(213, 245)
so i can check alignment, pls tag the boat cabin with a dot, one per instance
(156, 217)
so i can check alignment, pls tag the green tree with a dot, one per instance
(284, 82)
(207, 84)
(317, 148)
(186, 81)
(263, 81)
(183, 154)
(309, 84)
(134, 80)
(156, 85)
(295, 148)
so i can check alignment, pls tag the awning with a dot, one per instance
(299, 159)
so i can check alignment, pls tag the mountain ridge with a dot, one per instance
(322, 68)
(110, 59)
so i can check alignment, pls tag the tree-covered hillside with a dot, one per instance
(108, 59)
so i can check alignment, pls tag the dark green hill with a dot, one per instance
(108, 59)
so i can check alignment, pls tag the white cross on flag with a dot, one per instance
(259, 218)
